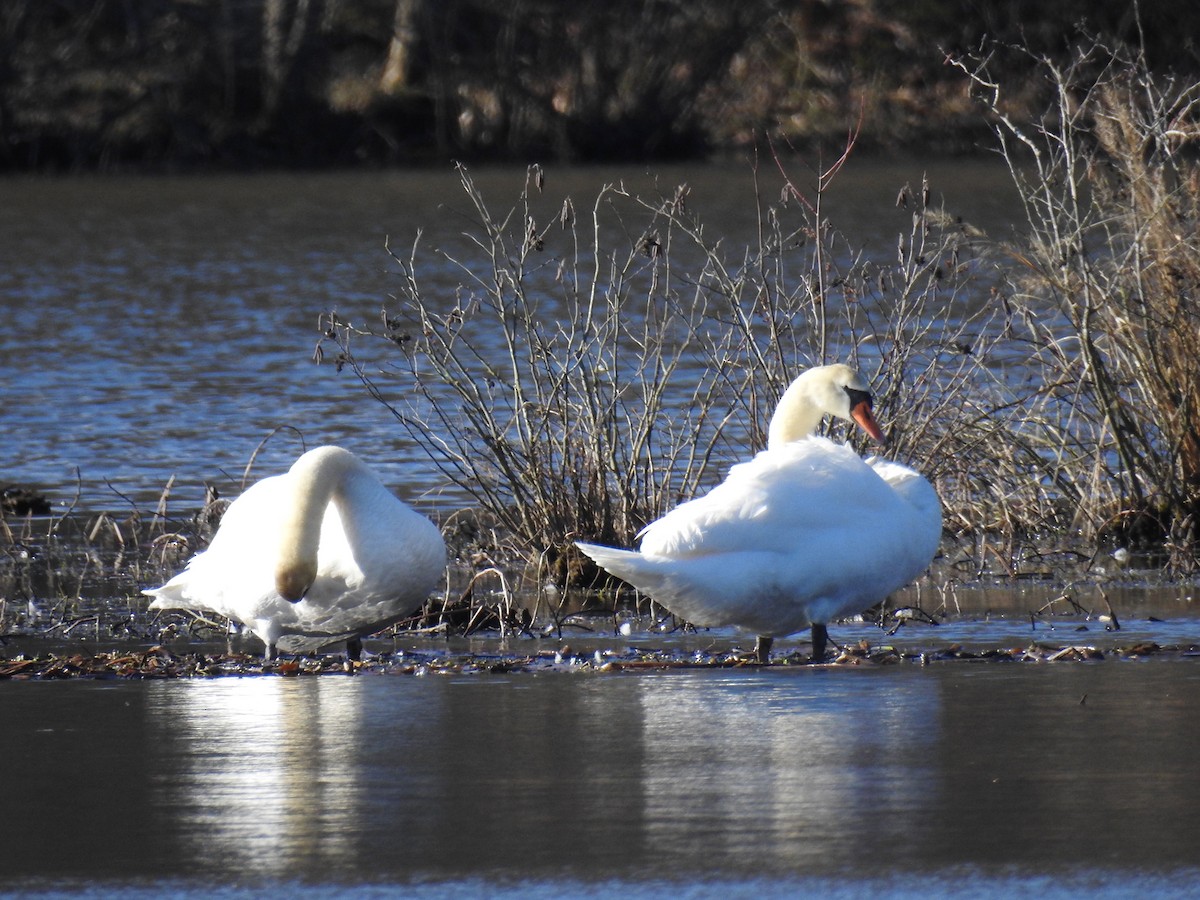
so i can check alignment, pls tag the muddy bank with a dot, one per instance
(160, 662)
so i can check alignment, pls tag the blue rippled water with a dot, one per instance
(159, 327)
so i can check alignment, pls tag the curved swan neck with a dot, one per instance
(824, 390)
(795, 417)
(313, 481)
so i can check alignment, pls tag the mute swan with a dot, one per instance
(321, 554)
(804, 533)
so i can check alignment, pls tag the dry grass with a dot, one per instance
(72, 573)
(1111, 189)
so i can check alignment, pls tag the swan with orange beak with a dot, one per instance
(804, 533)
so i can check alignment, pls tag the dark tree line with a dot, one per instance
(100, 84)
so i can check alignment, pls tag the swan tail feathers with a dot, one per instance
(628, 565)
(169, 596)
(178, 593)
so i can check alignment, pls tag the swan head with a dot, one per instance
(835, 390)
(293, 579)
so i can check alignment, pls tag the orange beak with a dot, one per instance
(866, 421)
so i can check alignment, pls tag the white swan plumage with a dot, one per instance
(804, 533)
(321, 554)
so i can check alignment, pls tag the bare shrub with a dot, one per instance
(583, 393)
(1111, 191)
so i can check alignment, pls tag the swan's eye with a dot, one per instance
(857, 397)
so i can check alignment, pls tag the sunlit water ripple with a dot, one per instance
(952, 779)
(160, 327)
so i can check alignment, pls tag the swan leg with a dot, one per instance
(820, 637)
(762, 648)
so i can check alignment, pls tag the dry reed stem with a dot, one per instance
(582, 382)
(1111, 189)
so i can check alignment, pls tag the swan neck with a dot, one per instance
(796, 417)
(313, 482)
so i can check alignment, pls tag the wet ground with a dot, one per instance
(618, 643)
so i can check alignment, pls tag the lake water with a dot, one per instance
(161, 327)
(958, 779)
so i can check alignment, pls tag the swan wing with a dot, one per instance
(239, 561)
(810, 489)
(377, 560)
(799, 534)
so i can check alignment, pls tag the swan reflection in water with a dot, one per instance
(263, 777)
(786, 772)
(597, 776)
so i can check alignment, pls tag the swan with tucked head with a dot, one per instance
(321, 554)
(804, 533)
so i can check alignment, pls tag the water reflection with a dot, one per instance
(346, 777)
(268, 780)
(784, 773)
(955, 775)
(323, 776)
(1093, 766)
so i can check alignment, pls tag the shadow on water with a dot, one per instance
(950, 776)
